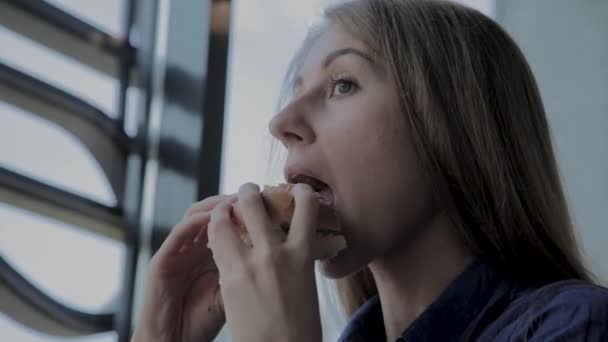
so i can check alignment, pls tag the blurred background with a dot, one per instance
(116, 115)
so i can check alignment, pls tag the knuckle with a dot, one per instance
(219, 211)
(247, 273)
(207, 204)
(218, 222)
(194, 218)
(203, 205)
(192, 207)
(180, 226)
(240, 274)
(271, 257)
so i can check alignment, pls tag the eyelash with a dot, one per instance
(334, 80)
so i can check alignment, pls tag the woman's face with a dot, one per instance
(344, 127)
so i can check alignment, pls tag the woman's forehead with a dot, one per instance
(332, 39)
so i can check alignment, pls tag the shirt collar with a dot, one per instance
(448, 316)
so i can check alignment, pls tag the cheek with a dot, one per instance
(385, 197)
(390, 199)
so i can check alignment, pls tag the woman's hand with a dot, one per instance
(182, 301)
(269, 291)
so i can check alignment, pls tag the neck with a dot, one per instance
(410, 279)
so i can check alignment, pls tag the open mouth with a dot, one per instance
(325, 193)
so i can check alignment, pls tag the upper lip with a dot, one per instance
(293, 171)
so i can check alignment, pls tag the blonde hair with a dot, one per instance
(479, 127)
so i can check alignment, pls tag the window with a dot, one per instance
(108, 17)
(43, 150)
(98, 144)
(259, 58)
(64, 75)
(70, 264)
(59, 70)
(13, 331)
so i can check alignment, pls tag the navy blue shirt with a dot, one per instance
(481, 304)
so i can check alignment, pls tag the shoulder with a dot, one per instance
(569, 294)
(570, 289)
(565, 310)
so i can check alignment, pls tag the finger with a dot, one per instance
(303, 223)
(255, 217)
(208, 204)
(224, 241)
(184, 233)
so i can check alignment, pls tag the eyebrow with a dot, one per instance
(339, 53)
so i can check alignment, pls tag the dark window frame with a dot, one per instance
(198, 67)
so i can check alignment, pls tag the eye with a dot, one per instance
(342, 86)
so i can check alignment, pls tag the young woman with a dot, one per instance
(425, 123)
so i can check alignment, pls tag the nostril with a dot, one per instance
(283, 131)
(292, 136)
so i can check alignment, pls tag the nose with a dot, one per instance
(291, 126)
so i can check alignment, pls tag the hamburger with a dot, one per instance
(280, 206)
